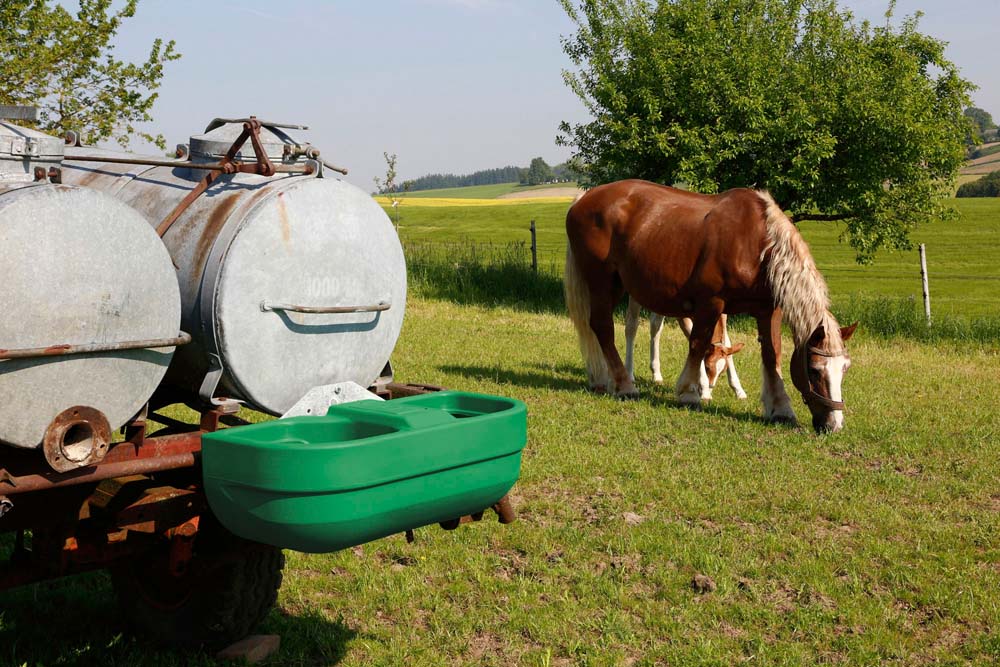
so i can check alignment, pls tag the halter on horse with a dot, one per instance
(684, 254)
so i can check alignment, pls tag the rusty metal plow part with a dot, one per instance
(183, 338)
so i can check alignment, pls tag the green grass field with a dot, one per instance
(879, 545)
(482, 191)
(963, 256)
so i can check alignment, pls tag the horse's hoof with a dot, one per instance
(599, 389)
(784, 420)
(690, 401)
(742, 395)
(628, 395)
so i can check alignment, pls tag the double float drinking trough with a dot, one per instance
(239, 273)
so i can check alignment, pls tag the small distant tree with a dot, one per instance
(840, 120)
(65, 65)
(539, 172)
(387, 186)
(982, 122)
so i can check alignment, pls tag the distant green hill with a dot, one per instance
(482, 191)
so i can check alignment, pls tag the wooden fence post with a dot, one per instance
(923, 277)
(534, 249)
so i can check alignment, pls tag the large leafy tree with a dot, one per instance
(64, 63)
(840, 120)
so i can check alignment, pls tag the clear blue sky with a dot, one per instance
(448, 85)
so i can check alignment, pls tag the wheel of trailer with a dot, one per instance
(225, 591)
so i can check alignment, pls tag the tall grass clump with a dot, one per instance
(904, 318)
(483, 274)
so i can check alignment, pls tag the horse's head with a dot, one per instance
(715, 360)
(818, 369)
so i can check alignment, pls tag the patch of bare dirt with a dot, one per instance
(554, 191)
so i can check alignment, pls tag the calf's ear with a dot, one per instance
(847, 332)
(734, 349)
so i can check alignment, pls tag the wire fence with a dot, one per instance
(501, 274)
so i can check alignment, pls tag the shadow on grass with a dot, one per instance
(548, 377)
(76, 621)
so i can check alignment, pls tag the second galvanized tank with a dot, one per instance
(87, 290)
(270, 270)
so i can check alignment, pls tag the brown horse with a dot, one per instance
(683, 254)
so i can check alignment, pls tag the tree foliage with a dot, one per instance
(388, 185)
(65, 65)
(482, 177)
(982, 121)
(538, 172)
(840, 120)
(987, 186)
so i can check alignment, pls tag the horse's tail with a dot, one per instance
(578, 303)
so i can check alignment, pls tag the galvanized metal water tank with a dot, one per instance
(287, 281)
(86, 288)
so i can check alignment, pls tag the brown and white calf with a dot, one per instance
(718, 357)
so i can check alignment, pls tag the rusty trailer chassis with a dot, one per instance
(143, 496)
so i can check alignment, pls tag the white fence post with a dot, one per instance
(923, 277)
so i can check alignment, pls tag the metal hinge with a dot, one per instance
(26, 146)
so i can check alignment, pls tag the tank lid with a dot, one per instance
(216, 142)
(22, 143)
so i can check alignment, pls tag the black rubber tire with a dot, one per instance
(228, 589)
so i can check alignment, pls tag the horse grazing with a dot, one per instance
(684, 254)
(718, 356)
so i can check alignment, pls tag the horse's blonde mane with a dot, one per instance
(798, 287)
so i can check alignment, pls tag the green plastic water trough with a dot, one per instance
(364, 470)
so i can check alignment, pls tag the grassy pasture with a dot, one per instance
(879, 545)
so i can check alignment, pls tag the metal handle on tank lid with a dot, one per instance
(266, 306)
(62, 350)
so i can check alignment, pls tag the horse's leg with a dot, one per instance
(603, 299)
(692, 385)
(686, 324)
(731, 376)
(631, 327)
(777, 405)
(655, 329)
